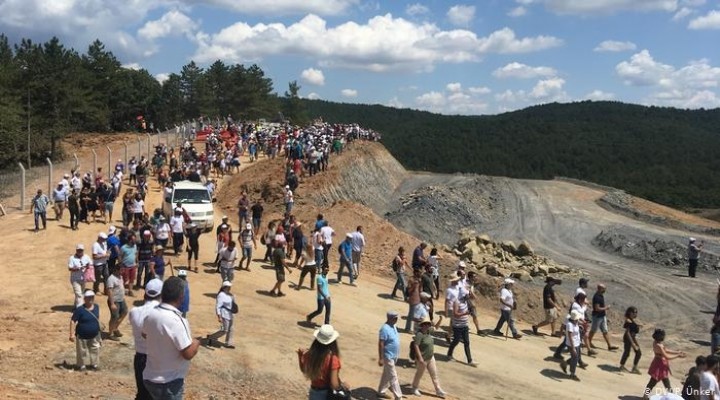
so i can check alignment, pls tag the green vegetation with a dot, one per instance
(48, 90)
(663, 154)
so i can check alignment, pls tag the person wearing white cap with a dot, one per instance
(507, 305)
(694, 250)
(388, 353)
(225, 307)
(59, 196)
(289, 199)
(321, 364)
(247, 238)
(572, 340)
(100, 256)
(137, 319)
(85, 332)
(77, 265)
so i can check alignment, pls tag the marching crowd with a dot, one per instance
(133, 256)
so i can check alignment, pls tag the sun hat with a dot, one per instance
(392, 314)
(153, 288)
(462, 264)
(508, 281)
(425, 295)
(182, 272)
(692, 239)
(227, 284)
(102, 235)
(575, 315)
(80, 247)
(426, 320)
(89, 293)
(326, 334)
(159, 247)
(112, 229)
(455, 279)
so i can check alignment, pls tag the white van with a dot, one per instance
(195, 199)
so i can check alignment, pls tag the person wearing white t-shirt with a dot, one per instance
(507, 305)
(77, 265)
(162, 232)
(223, 309)
(228, 255)
(177, 226)
(137, 319)
(358, 245)
(169, 342)
(709, 388)
(572, 340)
(327, 234)
(100, 255)
(317, 244)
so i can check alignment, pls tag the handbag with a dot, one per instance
(234, 308)
(89, 274)
(342, 393)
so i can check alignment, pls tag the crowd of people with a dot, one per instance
(135, 256)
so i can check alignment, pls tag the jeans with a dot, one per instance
(400, 283)
(178, 240)
(506, 316)
(312, 270)
(40, 216)
(319, 257)
(326, 249)
(139, 366)
(316, 394)
(256, 224)
(410, 316)
(344, 264)
(143, 270)
(322, 303)
(461, 334)
(692, 263)
(74, 218)
(227, 274)
(101, 275)
(166, 391)
(627, 346)
(575, 360)
(228, 328)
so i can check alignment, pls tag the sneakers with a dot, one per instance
(416, 392)
(517, 336)
(592, 352)
(623, 369)
(473, 364)
(383, 395)
(563, 365)
(534, 328)
(440, 393)
(575, 378)
(117, 334)
(583, 365)
(612, 348)
(558, 356)
(635, 370)
(497, 332)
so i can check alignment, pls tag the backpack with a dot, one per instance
(395, 265)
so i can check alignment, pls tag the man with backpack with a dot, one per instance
(399, 265)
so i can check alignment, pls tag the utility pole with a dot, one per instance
(28, 127)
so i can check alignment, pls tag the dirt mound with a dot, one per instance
(655, 251)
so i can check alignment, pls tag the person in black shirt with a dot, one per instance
(550, 305)
(192, 234)
(257, 211)
(599, 317)
(691, 386)
(630, 340)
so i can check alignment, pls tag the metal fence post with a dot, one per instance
(139, 147)
(126, 155)
(149, 151)
(109, 160)
(22, 187)
(94, 170)
(77, 162)
(50, 176)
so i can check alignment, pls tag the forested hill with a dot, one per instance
(666, 155)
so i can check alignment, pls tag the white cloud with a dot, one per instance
(453, 87)
(549, 90)
(395, 102)
(525, 2)
(594, 7)
(416, 9)
(517, 12)
(461, 15)
(480, 90)
(383, 43)
(684, 87)
(134, 66)
(599, 95)
(283, 7)
(172, 23)
(162, 77)
(313, 76)
(682, 13)
(615, 46)
(709, 21)
(313, 96)
(522, 71)
(349, 92)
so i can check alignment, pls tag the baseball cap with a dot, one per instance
(102, 235)
(80, 247)
(392, 314)
(227, 284)
(89, 293)
(224, 217)
(112, 229)
(182, 272)
(147, 233)
(462, 264)
(248, 226)
(508, 281)
(153, 288)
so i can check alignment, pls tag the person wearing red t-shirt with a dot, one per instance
(321, 364)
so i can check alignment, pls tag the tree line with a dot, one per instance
(663, 154)
(48, 90)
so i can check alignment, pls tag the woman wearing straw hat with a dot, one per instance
(224, 310)
(85, 332)
(424, 345)
(321, 364)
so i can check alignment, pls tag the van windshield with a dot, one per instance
(191, 196)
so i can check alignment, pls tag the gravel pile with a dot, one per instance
(655, 251)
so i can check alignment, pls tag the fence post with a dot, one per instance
(94, 170)
(22, 187)
(77, 162)
(139, 147)
(109, 161)
(50, 176)
(149, 151)
(126, 156)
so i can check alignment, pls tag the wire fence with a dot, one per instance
(19, 185)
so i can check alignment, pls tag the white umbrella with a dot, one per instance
(667, 396)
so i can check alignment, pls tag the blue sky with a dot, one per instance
(471, 57)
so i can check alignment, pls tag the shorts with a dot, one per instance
(472, 310)
(247, 252)
(128, 274)
(550, 315)
(109, 206)
(599, 323)
(120, 312)
(280, 274)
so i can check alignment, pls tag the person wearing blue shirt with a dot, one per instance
(323, 297)
(113, 244)
(345, 249)
(185, 306)
(388, 353)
